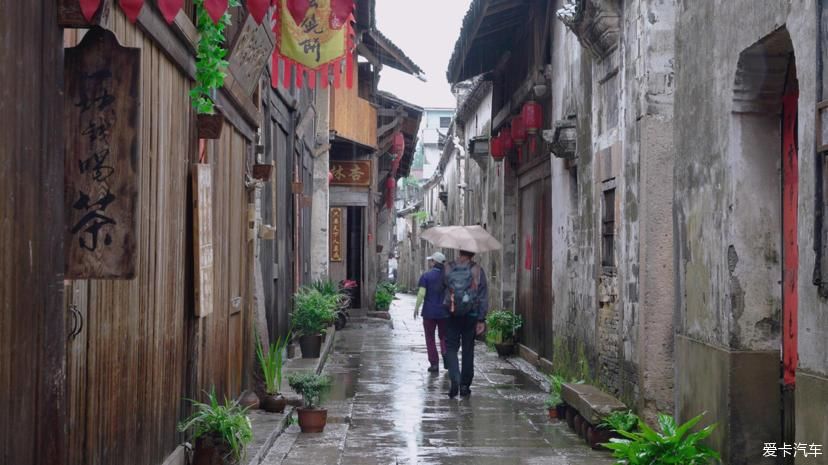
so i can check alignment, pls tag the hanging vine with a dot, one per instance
(211, 65)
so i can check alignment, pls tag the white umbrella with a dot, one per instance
(469, 238)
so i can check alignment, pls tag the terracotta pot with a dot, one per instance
(311, 346)
(312, 420)
(561, 408)
(596, 436)
(505, 349)
(570, 417)
(274, 404)
(262, 172)
(553, 413)
(209, 126)
(211, 451)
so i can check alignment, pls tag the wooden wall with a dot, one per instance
(32, 351)
(142, 351)
(352, 117)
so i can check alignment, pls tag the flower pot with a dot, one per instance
(312, 420)
(274, 403)
(596, 436)
(553, 413)
(209, 126)
(505, 349)
(211, 451)
(311, 345)
(262, 172)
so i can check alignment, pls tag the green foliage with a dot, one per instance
(505, 323)
(557, 382)
(211, 66)
(313, 311)
(311, 386)
(272, 363)
(421, 216)
(228, 423)
(621, 421)
(330, 288)
(385, 295)
(673, 445)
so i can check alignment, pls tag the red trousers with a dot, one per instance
(431, 344)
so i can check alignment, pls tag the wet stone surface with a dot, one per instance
(385, 408)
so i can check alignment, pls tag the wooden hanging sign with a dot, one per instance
(251, 53)
(351, 173)
(203, 238)
(101, 126)
(336, 234)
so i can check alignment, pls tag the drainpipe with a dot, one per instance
(819, 199)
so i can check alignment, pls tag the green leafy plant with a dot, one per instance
(313, 311)
(421, 216)
(211, 65)
(504, 323)
(556, 383)
(272, 363)
(383, 298)
(673, 445)
(330, 288)
(311, 386)
(390, 288)
(621, 421)
(226, 423)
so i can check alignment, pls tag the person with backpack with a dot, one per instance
(467, 296)
(431, 297)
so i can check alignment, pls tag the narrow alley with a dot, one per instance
(385, 408)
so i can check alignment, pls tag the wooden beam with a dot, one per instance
(382, 130)
(515, 101)
(363, 50)
(470, 36)
(151, 22)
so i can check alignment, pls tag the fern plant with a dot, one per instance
(226, 423)
(211, 65)
(673, 445)
(313, 311)
(621, 421)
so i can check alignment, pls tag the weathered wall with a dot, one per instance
(727, 207)
(320, 234)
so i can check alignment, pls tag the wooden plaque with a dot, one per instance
(352, 173)
(101, 128)
(203, 238)
(251, 53)
(336, 234)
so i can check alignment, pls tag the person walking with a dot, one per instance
(468, 301)
(431, 297)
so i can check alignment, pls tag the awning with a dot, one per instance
(389, 54)
(487, 33)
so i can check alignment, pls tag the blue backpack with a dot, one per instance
(462, 290)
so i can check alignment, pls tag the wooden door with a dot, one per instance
(534, 280)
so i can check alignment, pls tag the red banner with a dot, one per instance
(132, 8)
(170, 9)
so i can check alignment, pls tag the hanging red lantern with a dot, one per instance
(518, 130)
(532, 116)
(398, 145)
(508, 143)
(395, 165)
(496, 147)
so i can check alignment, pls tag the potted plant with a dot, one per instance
(385, 295)
(343, 301)
(311, 386)
(313, 312)
(221, 432)
(211, 69)
(271, 364)
(505, 324)
(613, 424)
(673, 444)
(554, 403)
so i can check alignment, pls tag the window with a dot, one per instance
(445, 122)
(608, 229)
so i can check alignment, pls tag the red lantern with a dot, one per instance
(508, 143)
(398, 146)
(496, 147)
(390, 187)
(532, 116)
(518, 130)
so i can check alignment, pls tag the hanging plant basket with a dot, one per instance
(209, 126)
(262, 172)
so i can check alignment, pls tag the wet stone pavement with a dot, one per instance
(385, 408)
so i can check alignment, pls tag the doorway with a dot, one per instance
(356, 247)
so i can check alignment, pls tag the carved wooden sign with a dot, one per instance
(203, 238)
(336, 234)
(351, 173)
(101, 119)
(251, 53)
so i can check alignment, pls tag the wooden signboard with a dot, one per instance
(251, 53)
(336, 234)
(101, 119)
(352, 173)
(203, 238)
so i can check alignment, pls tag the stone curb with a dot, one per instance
(261, 454)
